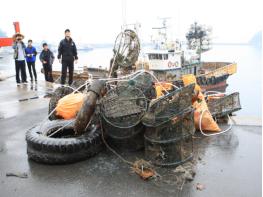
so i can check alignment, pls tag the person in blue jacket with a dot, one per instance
(31, 53)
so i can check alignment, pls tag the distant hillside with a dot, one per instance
(256, 40)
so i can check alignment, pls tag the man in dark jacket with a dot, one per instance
(47, 58)
(19, 56)
(31, 53)
(68, 51)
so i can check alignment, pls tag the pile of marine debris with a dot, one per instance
(131, 111)
(125, 114)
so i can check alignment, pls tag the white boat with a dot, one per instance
(166, 59)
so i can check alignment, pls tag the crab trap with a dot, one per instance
(221, 106)
(170, 143)
(122, 110)
(162, 109)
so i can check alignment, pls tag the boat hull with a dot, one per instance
(221, 87)
(213, 78)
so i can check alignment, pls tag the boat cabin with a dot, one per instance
(164, 59)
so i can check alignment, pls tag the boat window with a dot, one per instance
(165, 56)
(153, 56)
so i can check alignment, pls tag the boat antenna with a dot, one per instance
(124, 22)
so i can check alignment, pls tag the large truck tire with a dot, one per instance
(63, 147)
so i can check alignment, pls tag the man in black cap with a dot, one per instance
(68, 51)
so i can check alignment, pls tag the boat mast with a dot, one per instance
(124, 22)
(162, 35)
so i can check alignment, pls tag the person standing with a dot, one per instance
(19, 56)
(31, 53)
(47, 58)
(67, 51)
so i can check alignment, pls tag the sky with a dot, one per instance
(99, 21)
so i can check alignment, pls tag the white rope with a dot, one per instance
(123, 77)
(57, 79)
(171, 85)
(74, 90)
(213, 134)
(214, 93)
(61, 128)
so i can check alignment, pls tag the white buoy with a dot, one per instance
(3, 76)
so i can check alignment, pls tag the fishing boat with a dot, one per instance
(168, 66)
(169, 63)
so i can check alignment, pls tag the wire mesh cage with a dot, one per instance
(126, 48)
(162, 109)
(122, 109)
(171, 143)
(222, 106)
(128, 139)
(121, 133)
(123, 106)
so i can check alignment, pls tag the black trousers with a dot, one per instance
(31, 66)
(48, 72)
(67, 65)
(20, 69)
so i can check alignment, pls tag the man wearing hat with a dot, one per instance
(67, 50)
(19, 56)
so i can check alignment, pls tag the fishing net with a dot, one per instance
(123, 106)
(221, 106)
(163, 109)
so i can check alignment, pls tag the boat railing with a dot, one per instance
(227, 69)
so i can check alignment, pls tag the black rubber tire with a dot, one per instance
(48, 150)
(58, 94)
(199, 81)
(213, 80)
(209, 81)
(203, 81)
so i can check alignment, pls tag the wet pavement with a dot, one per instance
(228, 165)
(15, 99)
